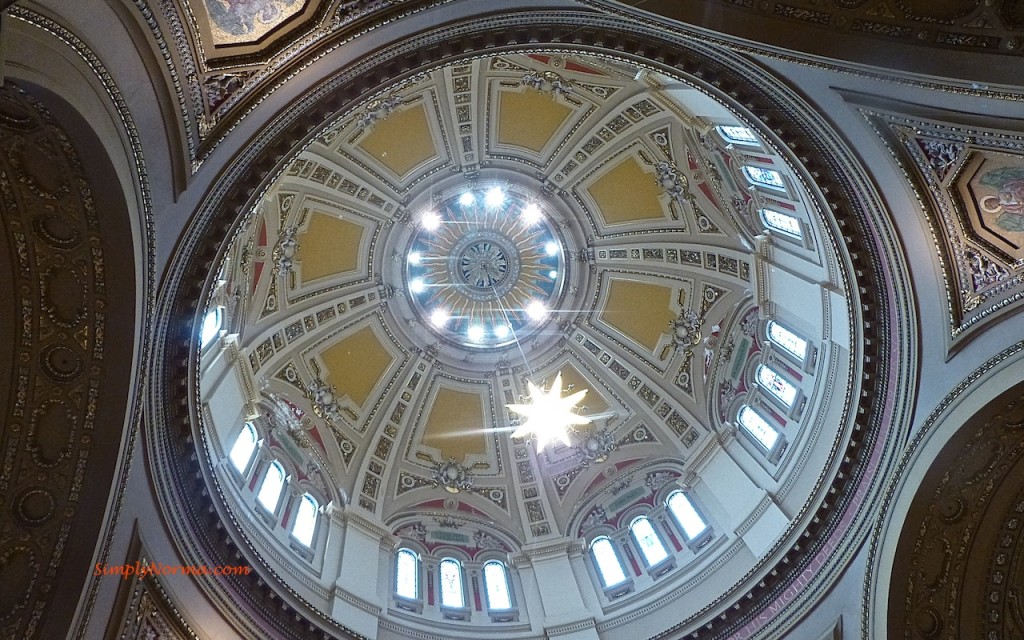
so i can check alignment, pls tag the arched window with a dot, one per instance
(776, 385)
(762, 432)
(782, 222)
(407, 570)
(686, 516)
(245, 444)
(648, 541)
(607, 561)
(764, 177)
(211, 326)
(737, 135)
(452, 594)
(305, 520)
(496, 586)
(788, 340)
(272, 487)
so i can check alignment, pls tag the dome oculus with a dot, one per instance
(484, 267)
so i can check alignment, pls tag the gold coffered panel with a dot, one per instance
(455, 424)
(627, 193)
(329, 246)
(402, 141)
(640, 310)
(356, 364)
(529, 119)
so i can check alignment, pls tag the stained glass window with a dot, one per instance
(245, 444)
(737, 135)
(788, 340)
(648, 541)
(782, 222)
(776, 385)
(607, 562)
(758, 427)
(211, 326)
(689, 520)
(496, 586)
(273, 484)
(764, 177)
(305, 520)
(451, 584)
(407, 574)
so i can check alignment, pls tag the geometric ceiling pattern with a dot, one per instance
(635, 194)
(386, 305)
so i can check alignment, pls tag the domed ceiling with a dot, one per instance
(533, 218)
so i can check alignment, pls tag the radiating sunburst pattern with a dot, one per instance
(485, 266)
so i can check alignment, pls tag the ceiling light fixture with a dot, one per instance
(430, 221)
(531, 213)
(536, 310)
(549, 416)
(495, 197)
(438, 317)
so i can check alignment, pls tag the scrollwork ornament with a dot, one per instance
(324, 399)
(452, 476)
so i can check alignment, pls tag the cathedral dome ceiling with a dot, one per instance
(638, 233)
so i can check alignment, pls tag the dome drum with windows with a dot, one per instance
(521, 333)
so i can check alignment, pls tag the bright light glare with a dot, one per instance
(415, 257)
(532, 213)
(552, 274)
(475, 333)
(501, 331)
(439, 316)
(417, 285)
(551, 248)
(495, 197)
(466, 199)
(211, 326)
(536, 310)
(430, 221)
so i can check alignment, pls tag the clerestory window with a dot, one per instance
(242, 450)
(647, 541)
(691, 522)
(305, 520)
(272, 487)
(607, 562)
(499, 597)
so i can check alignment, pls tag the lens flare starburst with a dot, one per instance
(549, 416)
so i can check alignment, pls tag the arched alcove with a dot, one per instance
(69, 300)
(958, 567)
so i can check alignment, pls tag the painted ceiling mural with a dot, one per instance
(972, 185)
(510, 221)
(244, 21)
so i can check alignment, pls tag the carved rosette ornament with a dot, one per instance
(284, 252)
(324, 399)
(595, 447)
(548, 82)
(686, 331)
(452, 476)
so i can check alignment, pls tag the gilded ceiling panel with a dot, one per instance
(401, 141)
(328, 246)
(529, 118)
(627, 192)
(356, 364)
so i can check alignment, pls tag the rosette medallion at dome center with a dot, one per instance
(485, 267)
